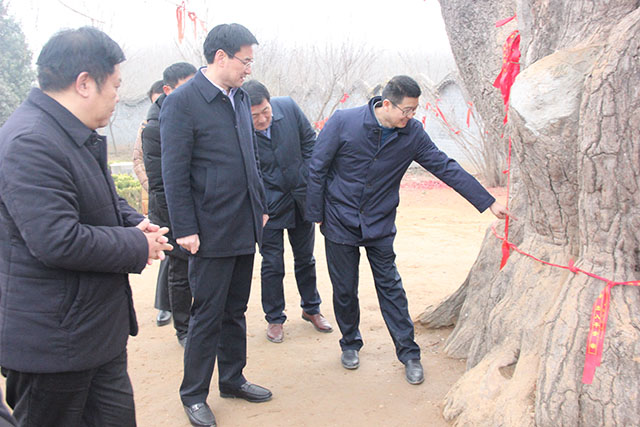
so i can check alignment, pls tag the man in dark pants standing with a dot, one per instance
(285, 144)
(217, 209)
(353, 191)
(67, 244)
(179, 293)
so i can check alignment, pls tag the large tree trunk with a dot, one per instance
(575, 123)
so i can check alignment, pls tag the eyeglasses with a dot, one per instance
(406, 112)
(246, 63)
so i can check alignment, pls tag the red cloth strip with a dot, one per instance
(180, 17)
(599, 313)
(501, 22)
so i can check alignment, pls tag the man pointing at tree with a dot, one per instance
(358, 162)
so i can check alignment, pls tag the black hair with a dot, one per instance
(156, 88)
(71, 52)
(228, 37)
(176, 72)
(257, 92)
(400, 87)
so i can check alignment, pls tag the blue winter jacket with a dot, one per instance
(354, 179)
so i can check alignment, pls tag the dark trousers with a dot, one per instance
(217, 327)
(162, 287)
(179, 294)
(343, 262)
(6, 419)
(98, 397)
(301, 238)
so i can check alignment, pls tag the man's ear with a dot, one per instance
(84, 84)
(167, 89)
(220, 56)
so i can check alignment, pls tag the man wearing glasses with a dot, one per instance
(285, 143)
(353, 188)
(217, 209)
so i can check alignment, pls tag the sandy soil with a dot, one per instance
(439, 235)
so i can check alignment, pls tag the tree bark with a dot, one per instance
(575, 124)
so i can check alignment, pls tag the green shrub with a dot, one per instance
(130, 189)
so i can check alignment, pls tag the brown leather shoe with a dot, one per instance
(275, 332)
(319, 322)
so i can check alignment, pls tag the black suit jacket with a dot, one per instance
(67, 242)
(210, 168)
(284, 160)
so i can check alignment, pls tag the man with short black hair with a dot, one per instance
(177, 275)
(285, 143)
(359, 160)
(67, 244)
(217, 210)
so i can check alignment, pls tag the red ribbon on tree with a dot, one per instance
(320, 124)
(180, 17)
(501, 22)
(505, 244)
(194, 19)
(510, 65)
(445, 120)
(599, 313)
(469, 113)
(504, 81)
(344, 98)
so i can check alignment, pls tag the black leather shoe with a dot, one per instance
(247, 391)
(350, 359)
(163, 318)
(414, 372)
(200, 415)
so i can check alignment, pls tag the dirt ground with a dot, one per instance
(439, 235)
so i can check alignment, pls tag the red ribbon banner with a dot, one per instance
(445, 120)
(510, 68)
(194, 19)
(180, 17)
(599, 313)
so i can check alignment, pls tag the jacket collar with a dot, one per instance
(370, 119)
(208, 90)
(77, 131)
(277, 112)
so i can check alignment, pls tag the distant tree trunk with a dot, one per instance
(575, 123)
(477, 47)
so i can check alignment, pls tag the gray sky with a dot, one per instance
(403, 25)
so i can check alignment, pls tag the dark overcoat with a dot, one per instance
(210, 168)
(67, 242)
(284, 160)
(151, 154)
(354, 178)
(151, 151)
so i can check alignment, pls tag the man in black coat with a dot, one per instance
(217, 210)
(355, 172)
(179, 292)
(67, 244)
(285, 144)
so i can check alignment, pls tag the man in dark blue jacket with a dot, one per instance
(67, 242)
(353, 191)
(217, 210)
(285, 144)
(178, 280)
